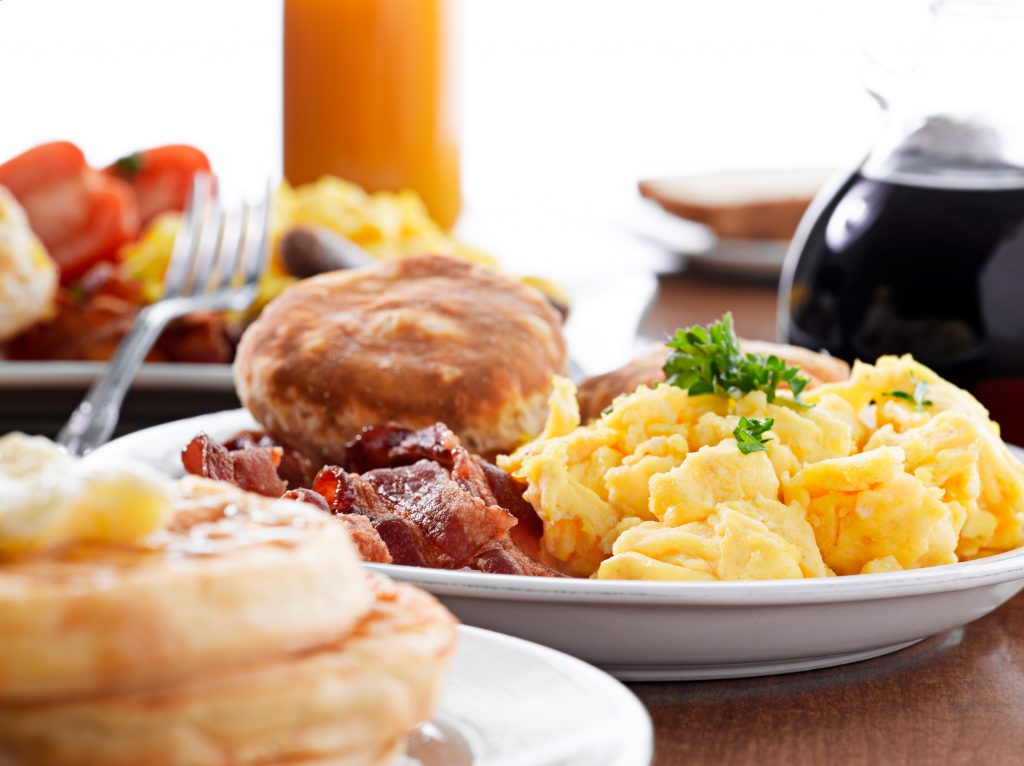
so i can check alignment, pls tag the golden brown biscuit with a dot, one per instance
(415, 341)
(350, 702)
(234, 579)
(596, 393)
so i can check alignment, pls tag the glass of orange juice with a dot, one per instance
(369, 96)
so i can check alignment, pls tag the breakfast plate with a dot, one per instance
(665, 631)
(512, 703)
(38, 397)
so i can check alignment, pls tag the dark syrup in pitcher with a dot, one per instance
(931, 266)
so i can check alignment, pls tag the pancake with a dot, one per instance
(234, 580)
(349, 702)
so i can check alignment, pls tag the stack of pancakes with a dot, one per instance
(245, 632)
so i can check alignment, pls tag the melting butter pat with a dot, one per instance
(49, 498)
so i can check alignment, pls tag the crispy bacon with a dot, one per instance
(423, 516)
(252, 468)
(457, 523)
(505, 557)
(508, 493)
(295, 468)
(416, 498)
(390, 445)
(368, 542)
(347, 493)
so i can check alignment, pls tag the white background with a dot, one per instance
(565, 105)
(563, 100)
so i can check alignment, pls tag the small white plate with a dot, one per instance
(669, 631)
(512, 703)
(698, 244)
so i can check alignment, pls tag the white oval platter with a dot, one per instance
(665, 631)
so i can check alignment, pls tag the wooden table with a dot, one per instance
(957, 698)
(692, 298)
(953, 699)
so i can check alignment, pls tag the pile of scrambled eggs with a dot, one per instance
(861, 481)
(385, 224)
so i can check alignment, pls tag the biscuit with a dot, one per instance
(414, 341)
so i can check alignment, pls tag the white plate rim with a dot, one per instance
(964, 575)
(636, 734)
(75, 374)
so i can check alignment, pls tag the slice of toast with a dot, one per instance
(740, 204)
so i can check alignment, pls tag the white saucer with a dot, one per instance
(512, 703)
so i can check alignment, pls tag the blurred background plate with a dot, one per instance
(699, 248)
(37, 397)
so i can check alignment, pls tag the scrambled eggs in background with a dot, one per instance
(385, 224)
(862, 481)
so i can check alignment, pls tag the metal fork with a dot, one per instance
(216, 265)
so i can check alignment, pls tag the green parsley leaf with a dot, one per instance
(749, 432)
(129, 166)
(919, 397)
(707, 360)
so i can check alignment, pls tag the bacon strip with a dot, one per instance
(252, 468)
(505, 557)
(421, 514)
(294, 468)
(416, 498)
(369, 543)
(390, 445)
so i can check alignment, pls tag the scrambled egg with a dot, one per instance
(385, 224)
(28, 277)
(862, 481)
(48, 498)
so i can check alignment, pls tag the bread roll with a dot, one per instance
(414, 341)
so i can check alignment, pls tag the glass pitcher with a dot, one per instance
(921, 249)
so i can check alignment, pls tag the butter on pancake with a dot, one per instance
(415, 341)
(49, 498)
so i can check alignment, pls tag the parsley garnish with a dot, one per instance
(748, 434)
(919, 397)
(708, 361)
(129, 165)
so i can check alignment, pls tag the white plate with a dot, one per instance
(512, 703)
(204, 377)
(699, 245)
(646, 631)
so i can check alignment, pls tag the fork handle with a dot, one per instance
(93, 422)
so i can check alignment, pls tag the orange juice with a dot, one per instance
(369, 97)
